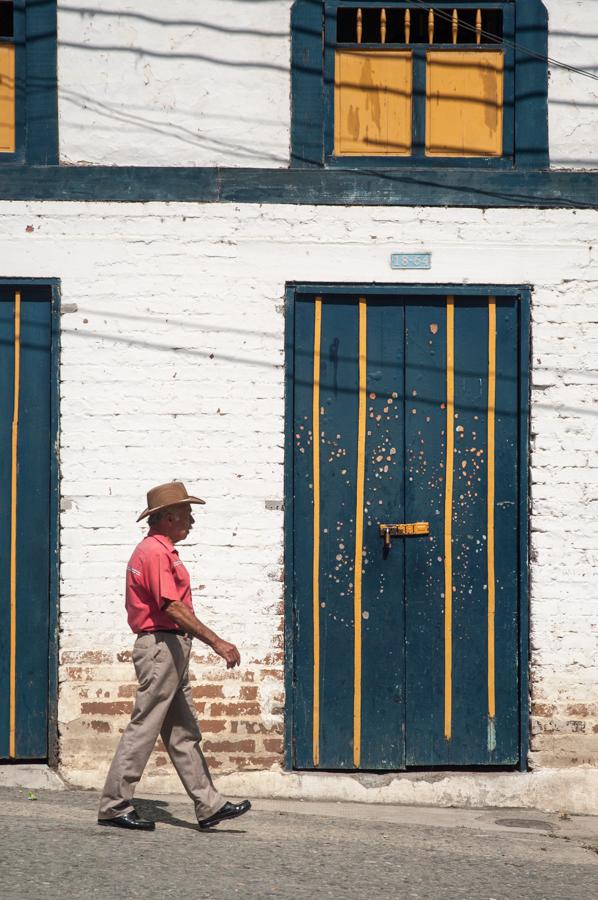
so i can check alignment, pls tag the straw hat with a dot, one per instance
(172, 494)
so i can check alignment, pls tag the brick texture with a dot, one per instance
(178, 87)
(172, 366)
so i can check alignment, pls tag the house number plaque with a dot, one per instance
(410, 260)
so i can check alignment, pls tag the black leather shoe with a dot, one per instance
(228, 811)
(129, 820)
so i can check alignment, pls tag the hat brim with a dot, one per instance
(148, 512)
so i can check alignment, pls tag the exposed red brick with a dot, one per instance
(248, 692)
(124, 656)
(127, 690)
(85, 656)
(207, 690)
(199, 707)
(214, 763)
(212, 725)
(254, 762)
(260, 728)
(270, 659)
(248, 675)
(160, 760)
(273, 745)
(245, 746)
(74, 673)
(102, 727)
(112, 708)
(582, 710)
(235, 709)
(543, 709)
(272, 673)
(577, 727)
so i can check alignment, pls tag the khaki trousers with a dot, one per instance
(163, 706)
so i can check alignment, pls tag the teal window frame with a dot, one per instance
(36, 102)
(313, 42)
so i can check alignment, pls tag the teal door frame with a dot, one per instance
(52, 285)
(522, 293)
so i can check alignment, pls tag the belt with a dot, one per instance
(162, 631)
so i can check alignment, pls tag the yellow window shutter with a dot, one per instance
(7, 98)
(372, 103)
(464, 103)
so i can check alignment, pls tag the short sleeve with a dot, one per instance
(161, 582)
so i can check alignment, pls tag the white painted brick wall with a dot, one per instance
(208, 83)
(173, 367)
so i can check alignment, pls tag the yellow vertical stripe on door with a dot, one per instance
(448, 517)
(316, 530)
(491, 483)
(358, 568)
(13, 530)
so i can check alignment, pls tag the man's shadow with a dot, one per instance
(157, 811)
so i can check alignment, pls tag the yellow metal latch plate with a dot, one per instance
(404, 529)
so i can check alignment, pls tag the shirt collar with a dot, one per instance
(161, 538)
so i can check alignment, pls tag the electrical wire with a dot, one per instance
(555, 63)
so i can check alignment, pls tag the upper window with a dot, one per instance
(28, 115)
(415, 83)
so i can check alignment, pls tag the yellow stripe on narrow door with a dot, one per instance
(491, 484)
(316, 529)
(448, 517)
(359, 504)
(13, 528)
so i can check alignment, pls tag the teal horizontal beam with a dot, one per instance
(335, 187)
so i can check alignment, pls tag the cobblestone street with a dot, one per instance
(51, 847)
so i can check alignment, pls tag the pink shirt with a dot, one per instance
(155, 575)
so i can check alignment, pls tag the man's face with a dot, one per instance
(180, 523)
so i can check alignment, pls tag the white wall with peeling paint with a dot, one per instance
(174, 84)
(202, 84)
(172, 366)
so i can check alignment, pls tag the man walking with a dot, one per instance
(160, 613)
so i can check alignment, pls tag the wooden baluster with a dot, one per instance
(407, 26)
(359, 25)
(455, 25)
(431, 27)
(478, 26)
(382, 26)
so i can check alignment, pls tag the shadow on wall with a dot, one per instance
(114, 115)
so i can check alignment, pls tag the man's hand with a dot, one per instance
(228, 652)
(182, 615)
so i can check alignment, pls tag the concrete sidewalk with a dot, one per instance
(51, 847)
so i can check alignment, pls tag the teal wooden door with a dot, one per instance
(405, 648)
(25, 465)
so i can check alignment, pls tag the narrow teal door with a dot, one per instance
(25, 466)
(405, 531)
